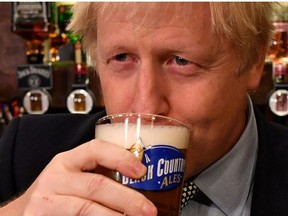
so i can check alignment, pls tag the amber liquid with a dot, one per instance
(39, 30)
(281, 102)
(33, 23)
(36, 102)
(79, 102)
(168, 202)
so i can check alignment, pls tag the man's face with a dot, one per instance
(171, 64)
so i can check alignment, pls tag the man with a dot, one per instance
(191, 61)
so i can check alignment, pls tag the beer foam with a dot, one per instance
(157, 135)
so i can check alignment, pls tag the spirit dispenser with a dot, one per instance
(81, 99)
(278, 53)
(35, 22)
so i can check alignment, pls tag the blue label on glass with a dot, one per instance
(165, 169)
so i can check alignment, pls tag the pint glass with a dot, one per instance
(160, 143)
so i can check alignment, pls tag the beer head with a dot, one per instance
(127, 129)
(127, 134)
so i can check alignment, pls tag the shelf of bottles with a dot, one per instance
(55, 61)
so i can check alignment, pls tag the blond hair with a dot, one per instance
(247, 25)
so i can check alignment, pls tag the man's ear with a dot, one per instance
(256, 71)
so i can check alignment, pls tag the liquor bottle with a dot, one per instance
(16, 109)
(34, 20)
(81, 99)
(280, 53)
(280, 72)
(80, 68)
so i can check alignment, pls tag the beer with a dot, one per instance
(162, 149)
(166, 201)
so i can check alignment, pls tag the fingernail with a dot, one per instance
(139, 168)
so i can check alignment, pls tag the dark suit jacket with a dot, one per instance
(31, 142)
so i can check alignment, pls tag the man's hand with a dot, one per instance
(68, 187)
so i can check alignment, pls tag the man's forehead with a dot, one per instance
(155, 13)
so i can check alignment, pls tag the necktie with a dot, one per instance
(192, 192)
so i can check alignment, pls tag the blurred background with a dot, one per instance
(43, 68)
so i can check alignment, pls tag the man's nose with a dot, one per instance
(151, 91)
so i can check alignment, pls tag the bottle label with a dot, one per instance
(165, 169)
(33, 17)
(280, 72)
(280, 69)
(29, 9)
(32, 76)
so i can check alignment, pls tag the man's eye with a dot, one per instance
(181, 61)
(121, 57)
